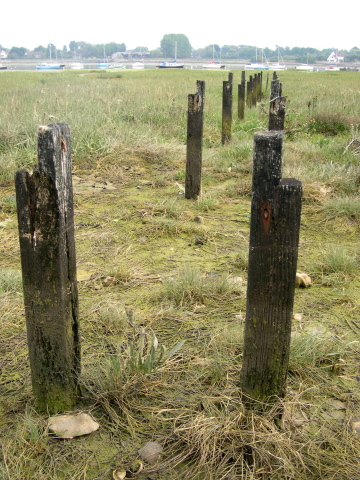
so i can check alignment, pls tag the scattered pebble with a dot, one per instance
(72, 425)
(150, 452)
(302, 280)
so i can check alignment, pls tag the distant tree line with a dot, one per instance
(178, 44)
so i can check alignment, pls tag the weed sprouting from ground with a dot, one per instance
(190, 286)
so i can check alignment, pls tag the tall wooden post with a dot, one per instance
(46, 230)
(241, 97)
(249, 92)
(196, 103)
(227, 110)
(277, 105)
(274, 237)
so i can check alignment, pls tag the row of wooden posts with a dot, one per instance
(47, 245)
(196, 109)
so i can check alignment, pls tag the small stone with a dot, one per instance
(302, 280)
(119, 474)
(297, 317)
(199, 219)
(235, 279)
(72, 425)
(150, 452)
(356, 427)
(109, 281)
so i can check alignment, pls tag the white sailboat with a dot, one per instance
(171, 63)
(214, 65)
(278, 65)
(256, 65)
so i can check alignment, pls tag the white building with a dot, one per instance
(3, 54)
(335, 57)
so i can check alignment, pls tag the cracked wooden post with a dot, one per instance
(274, 238)
(250, 92)
(196, 103)
(241, 97)
(227, 110)
(277, 105)
(46, 230)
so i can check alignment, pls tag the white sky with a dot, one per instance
(143, 23)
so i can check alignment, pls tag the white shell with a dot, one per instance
(72, 425)
(151, 451)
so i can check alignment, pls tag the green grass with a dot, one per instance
(178, 271)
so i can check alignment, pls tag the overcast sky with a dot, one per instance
(143, 23)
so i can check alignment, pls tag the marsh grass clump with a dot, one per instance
(345, 206)
(336, 266)
(329, 123)
(190, 286)
(8, 204)
(337, 260)
(10, 281)
(318, 354)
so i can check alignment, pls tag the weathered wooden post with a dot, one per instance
(274, 237)
(241, 97)
(227, 110)
(196, 103)
(277, 105)
(46, 230)
(249, 92)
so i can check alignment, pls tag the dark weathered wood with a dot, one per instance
(227, 110)
(241, 101)
(249, 93)
(277, 113)
(196, 103)
(46, 230)
(274, 237)
(277, 105)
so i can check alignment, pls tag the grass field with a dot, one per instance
(151, 263)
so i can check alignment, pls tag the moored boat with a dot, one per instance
(214, 65)
(50, 66)
(77, 66)
(171, 64)
(277, 66)
(138, 65)
(332, 68)
(116, 65)
(3, 67)
(305, 67)
(256, 66)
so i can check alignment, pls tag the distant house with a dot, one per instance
(3, 54)
(117, 55)
(135, 54)
(335, 57)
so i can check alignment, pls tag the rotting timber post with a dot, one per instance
(196, 103)
(277, 105)
(274, 238)
(241, 97)
(227, 110)
(46, 230)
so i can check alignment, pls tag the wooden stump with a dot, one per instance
(46, 230)
(227, 110)
(196, 103)
(274, 237)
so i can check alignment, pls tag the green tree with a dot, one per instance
(17, 52)
(181, 41)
